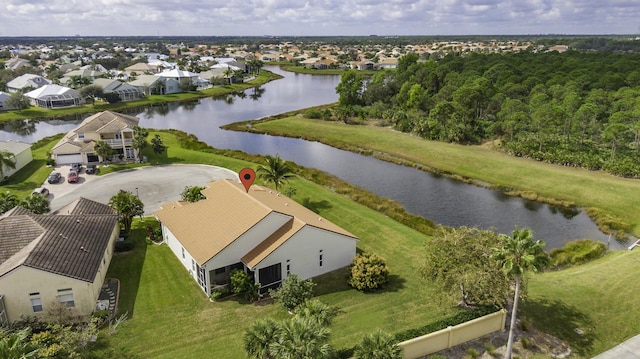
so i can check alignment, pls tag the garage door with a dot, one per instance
(67, 159)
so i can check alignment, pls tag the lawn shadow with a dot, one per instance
(127, 268)
(316, 206)
(563, 321)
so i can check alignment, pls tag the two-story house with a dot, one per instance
(78, 145)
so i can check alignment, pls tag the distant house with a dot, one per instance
(141, 68)
(363, 65)
(77, 146)
(55, 96)
(174, 77)
(26, 81)
(126, 91)
(388, 63)
(21, 155)
(260, 232)
(54, 258)
(16, 63)
(152, 84)
(3, 101)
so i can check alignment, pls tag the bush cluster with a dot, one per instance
(368, 272)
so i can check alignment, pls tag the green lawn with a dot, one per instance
(171, 317)
(613, 195)
(38, 112)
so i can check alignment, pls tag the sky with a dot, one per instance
(316, 17)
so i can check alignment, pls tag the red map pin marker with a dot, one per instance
(247, 176)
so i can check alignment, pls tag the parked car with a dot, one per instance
(76, 167)
(72, 177)
(42, 191)
(91, 169)
(54, 177)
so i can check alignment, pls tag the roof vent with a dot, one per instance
(78, 221)
(286, 204)
(320, 219)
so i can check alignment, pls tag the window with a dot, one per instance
(288, 267)
(321, 258)
(80, 134)
(193, 264)
(182, 252)
(36, 305)
(67, 299)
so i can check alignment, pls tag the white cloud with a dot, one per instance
(317, 17)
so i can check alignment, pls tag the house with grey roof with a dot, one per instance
(27, 81)
(49, 258)
(21, 155)
(152, 84)
(55, 96)
(126, 91)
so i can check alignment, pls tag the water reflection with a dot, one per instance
(435, 197)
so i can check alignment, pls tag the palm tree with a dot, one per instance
(276, 171)
(316, 310)
(8, 200)
(378, 345)
(258, 337)
(7, 160)
(128, 206)
(228, 73)
(36, 203)
(518, 255)
(301, 338)
(103, 149)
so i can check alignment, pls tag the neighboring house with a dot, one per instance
(141, 68)
(260, 231)
(16, 64)
(55, 96)
(363, 65)
(173, 77)
(126, 91)
(86, 73)
(21, 155)
(388, 63)
(47, 258)
(151, 84)
(77, 146)
(3, 101)
(26, 81)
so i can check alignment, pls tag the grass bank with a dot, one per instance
(38, 112)
(170, 317)
(313, 71)
(613, 201)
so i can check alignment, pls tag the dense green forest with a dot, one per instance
(573, 108)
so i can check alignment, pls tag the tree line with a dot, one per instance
(574, 108)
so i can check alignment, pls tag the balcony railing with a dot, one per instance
(118, 141)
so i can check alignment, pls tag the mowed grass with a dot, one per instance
(172, 318)
(592, 189)
(599, 298)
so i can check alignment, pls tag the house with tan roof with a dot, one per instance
(47, 258)
(260, 231)
(77, 146)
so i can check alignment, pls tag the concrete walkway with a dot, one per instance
(630, 349)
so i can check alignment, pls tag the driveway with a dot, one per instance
(155, 185)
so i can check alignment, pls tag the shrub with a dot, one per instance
(368, 272)
(577, 252)
(472, 353)
(112, 97)
(220, 293)
(294, 292)
(244, 285)
(313, 114)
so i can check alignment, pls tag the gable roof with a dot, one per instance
(53, 90)
(25, 80)
(14, 147)
(107, 122)
(208, 226)
(70, 245)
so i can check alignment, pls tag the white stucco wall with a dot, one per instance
(303, 253)
(176, 248)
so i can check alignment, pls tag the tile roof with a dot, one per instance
(70, 245)
(107, 122)
(14, 147)
(208, 226)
